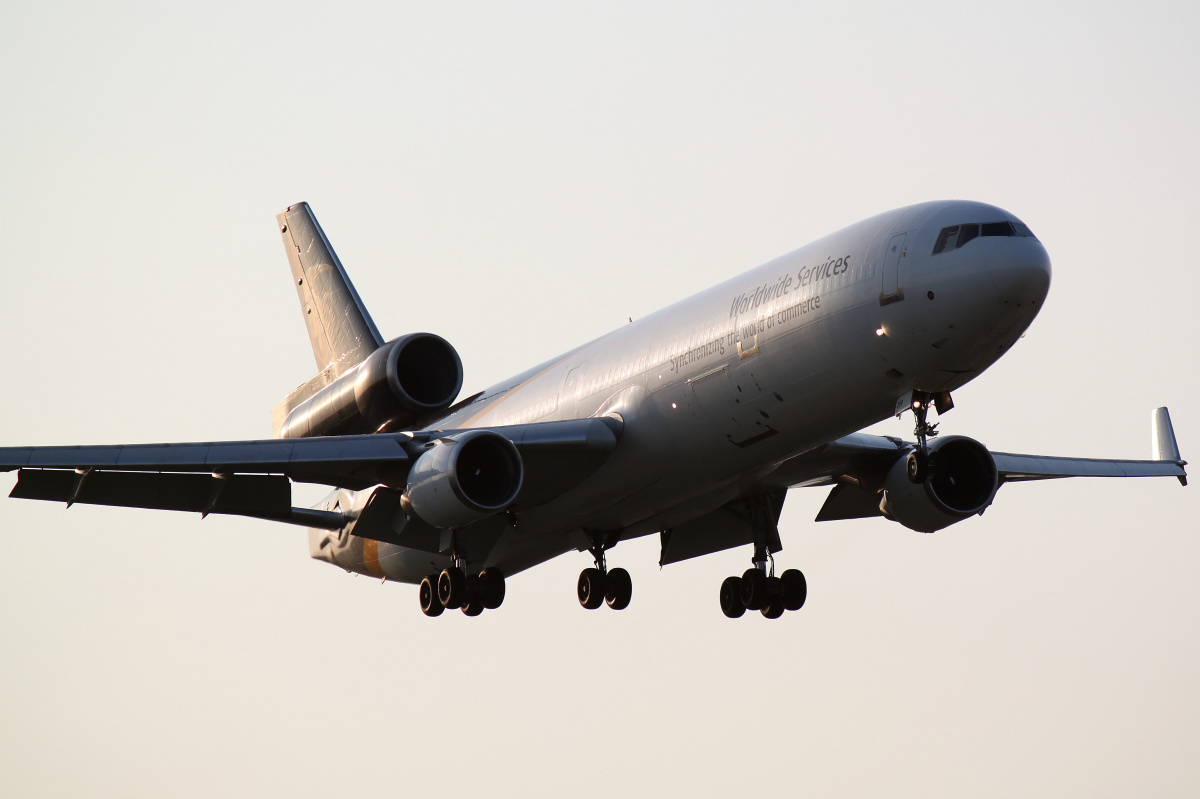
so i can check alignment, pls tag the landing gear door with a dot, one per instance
(893, 265)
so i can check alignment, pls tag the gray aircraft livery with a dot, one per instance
(691, 423)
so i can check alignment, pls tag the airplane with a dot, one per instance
(691, 423)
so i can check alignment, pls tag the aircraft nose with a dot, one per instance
(1023, 274)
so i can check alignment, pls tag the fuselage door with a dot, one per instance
(893, 264)
(567, 402)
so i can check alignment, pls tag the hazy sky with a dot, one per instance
(519, 178)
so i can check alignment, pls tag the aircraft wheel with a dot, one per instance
(774, 609)
(431, 605)
(491, 587)
(795, 589)
(452, 587)
(754, 589)
(731, 598)
(618, 589)
(591, 588)
(473, 608)
(917, 466)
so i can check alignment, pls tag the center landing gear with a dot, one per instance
(599, 585)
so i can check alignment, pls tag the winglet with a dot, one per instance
(1164, 447)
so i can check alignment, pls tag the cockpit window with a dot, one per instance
(946, 239)
(966, 233)
(955, 236)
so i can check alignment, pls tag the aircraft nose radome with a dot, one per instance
(1024, 276)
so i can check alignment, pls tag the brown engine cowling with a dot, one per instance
(398, 384)
(961, 481)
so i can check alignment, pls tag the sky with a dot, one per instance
(520, 178)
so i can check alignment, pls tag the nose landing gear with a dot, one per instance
(917, 465)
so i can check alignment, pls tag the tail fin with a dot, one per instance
(339, 326)
(341, 330)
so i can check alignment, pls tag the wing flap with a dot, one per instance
(262, 496)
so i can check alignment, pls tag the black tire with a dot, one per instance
(795, 589)
(452, 587)
(773, 610)
(754, 589)
(618, 589)
(472, 608)
(591, 588)
(428, 594)
(491, 587)
(731, 598)
(917, 466)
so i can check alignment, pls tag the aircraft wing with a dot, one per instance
(252, 478)
(856, 466)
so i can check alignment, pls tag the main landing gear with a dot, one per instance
(454, 588)
(759, 589)
(598, 585)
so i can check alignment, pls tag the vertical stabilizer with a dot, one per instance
(339, 326)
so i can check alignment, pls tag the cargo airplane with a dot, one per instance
(691, 423)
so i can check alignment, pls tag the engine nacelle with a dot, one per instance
(961, 481)
(396, 385)
(465, 478)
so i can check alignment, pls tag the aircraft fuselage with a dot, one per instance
(717, 390)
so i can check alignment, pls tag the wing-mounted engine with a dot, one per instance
(463, 478)
(396, 385)
(960, 480)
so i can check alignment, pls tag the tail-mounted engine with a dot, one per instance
(402, 381)
(958, 479)
(464, 478)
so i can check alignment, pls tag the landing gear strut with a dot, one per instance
(598, 585)
(758, 588)
(917, 466)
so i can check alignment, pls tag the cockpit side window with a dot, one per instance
(945, 239)
(966, 233)
(1023, 230)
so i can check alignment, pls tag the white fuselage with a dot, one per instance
(718, 389)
